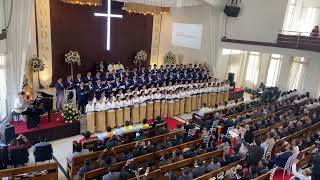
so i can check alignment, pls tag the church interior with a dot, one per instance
(159, 89)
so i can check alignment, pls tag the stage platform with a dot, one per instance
(56, 129)
(237, 93)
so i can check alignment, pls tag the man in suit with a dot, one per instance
(87, 78)
(112, 175)
(82, 92)
(198, 169)
(59, 94)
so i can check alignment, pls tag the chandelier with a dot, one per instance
(144, 9)
(84, 2)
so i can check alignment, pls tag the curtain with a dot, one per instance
(18, 42)
(297, 73)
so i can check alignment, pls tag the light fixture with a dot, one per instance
(84, 2)
(144, 9)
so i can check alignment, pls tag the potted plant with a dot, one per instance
(70, 113)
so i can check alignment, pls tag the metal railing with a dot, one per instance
(302, 40)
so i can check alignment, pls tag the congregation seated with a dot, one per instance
(86, 137)
(87, 166)
(21, 142)
(78, 151)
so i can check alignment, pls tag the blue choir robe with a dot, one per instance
(133, 83)
(139, 73)
(126, 84)
(87, 79)
(122, 76)
(68, 85)
(81, 94)
(59, 89)
(195, 75)
(96, 78)
(141, 81)
(200, 75)
(146, 72)
(154, 72)
(99, 89)
(91, 89)
(183, 76)
(173, 77)
(108, 89)
(132, 73)
(148, 80)
(112, 78)
(78, 81)
(117, 85)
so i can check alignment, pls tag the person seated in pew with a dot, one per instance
(141, 149)
(87, 166)
(106, 159)
(106, 135)
(139, 136)
(128, 170)
(214, 165)
(186, 174)
(262, 167)
(78, 151)
(165, 160)
(315, 31)
(42, 142)
(126, 155)
(199, 169)
(176, 155)
(281, 158)
(164, 129)
(21, 142)
(86, 137)
(112, 175)
(113, 141)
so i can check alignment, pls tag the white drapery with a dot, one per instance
(297, 73)
(165, 3)
(18, 42)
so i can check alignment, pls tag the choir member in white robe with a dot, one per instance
(90, 106)
(118, 103)
(127, 102)
(110, 104)
(100, 105)
(135, 99)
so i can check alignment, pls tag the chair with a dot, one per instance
(43, 153)
(19, 157)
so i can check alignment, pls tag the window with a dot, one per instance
(273, 70)
(297, 73)
(307, 20)
(3, 89)
(231, 51)
(253, 67)
(290, 15)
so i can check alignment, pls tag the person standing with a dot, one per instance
(315, 31)
(60, 94)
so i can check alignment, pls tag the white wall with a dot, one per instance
(259, 20)
(311, 82)
(206, 15)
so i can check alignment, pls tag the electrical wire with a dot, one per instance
(9, 21)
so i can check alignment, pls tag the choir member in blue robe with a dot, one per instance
(154, 70)
(97, 77)
(126, 82)
(133, 82)
(101, 67)
(60, 94)
(99, 88)
(141, 72)
(78, 80)
(81, 92)
(142, 80)
(87, 78)
(68, 84)
(133, 73)
(108, 88)
(148, 79)
(90, 88)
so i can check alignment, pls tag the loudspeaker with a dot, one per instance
(232, 11)
(231, 77)
(8, 134)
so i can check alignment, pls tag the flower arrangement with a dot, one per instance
(72, 57)
(169, 58)
(70, 113)
(25, 82)
(37, 64)
(140, 56)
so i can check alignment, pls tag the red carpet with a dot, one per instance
(278, 175)
(56, 120)
(172, 123)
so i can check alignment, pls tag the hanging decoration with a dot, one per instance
(84, 2)
(145, 9)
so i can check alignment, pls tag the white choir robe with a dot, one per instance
(135, 100)
(90, 108)
(127, 103)
(118, 104)
(110, 105)
(100, 106)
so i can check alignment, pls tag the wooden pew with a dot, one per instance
(116, 167)
(189, 162)
(218, 171)
(74, 166)
(51, 168)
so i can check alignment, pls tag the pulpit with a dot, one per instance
(100, 118)
(91, 127)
